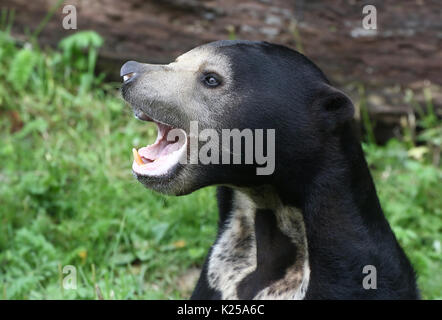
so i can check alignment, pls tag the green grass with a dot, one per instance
(67, 195)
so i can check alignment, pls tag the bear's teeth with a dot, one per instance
(137, 157)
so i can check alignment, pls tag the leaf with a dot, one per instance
(21, 68)
(160, 231)
(418, 152)
(122, 258)
(81, 40)
(179, 244)
(37, 125)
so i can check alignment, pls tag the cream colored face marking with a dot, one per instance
(234, 255)
(175, 94)
(177, 87)
(202, 59)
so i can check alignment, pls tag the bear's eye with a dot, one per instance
(211, 80)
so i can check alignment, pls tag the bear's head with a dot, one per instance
(237, 113)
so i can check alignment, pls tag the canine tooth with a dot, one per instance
(137, 157)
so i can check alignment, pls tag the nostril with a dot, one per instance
(129, 70)
(128, 76)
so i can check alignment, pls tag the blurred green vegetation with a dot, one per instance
(67, 195)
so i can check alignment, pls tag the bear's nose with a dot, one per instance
(129, 70)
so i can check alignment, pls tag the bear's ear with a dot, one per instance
(332, 107)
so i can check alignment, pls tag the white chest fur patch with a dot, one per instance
(233, 257)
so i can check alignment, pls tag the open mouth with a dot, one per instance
(164, 154)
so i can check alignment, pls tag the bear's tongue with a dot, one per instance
(161, 147)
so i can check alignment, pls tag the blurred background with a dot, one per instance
(67, 195)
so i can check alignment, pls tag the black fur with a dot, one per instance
(320, 169)
(275, 253)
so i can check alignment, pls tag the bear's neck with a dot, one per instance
(318, 233)
(344, 223)
(341, 199)
(333, 187)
